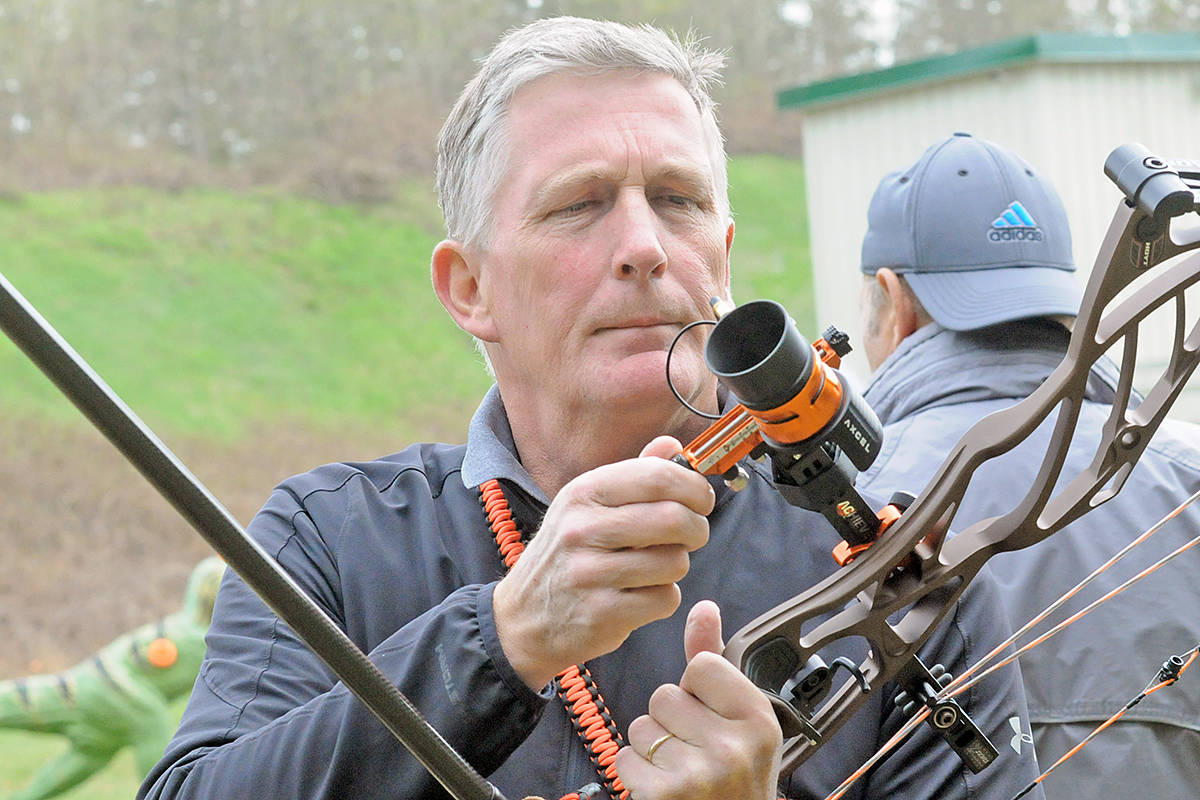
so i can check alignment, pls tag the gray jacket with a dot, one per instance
(399, 552)
(928, 393)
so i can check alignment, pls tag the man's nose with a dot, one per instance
(639, 253)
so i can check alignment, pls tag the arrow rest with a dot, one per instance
(920, 687)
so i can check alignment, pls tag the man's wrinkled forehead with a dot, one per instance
(583, 115)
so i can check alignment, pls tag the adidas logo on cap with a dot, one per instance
(1015, 224)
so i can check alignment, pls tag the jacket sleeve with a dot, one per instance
(925, 765)
(267, 717)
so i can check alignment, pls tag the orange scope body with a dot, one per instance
(807, 412)
(781, 379)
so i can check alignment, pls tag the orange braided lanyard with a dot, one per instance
(574, 685)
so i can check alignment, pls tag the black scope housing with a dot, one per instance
(756, 351)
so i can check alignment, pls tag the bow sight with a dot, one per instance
(794, 407)
(798, 411)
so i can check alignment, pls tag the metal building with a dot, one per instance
(1062, 101)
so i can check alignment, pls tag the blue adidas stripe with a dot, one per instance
(1015, 216)
(1022, 213)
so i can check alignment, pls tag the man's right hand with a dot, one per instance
(605, 562)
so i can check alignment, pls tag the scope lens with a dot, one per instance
(757, 352)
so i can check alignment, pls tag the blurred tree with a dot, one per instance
(770, 44)
(344, 98)
(1124, 16)
(927, 27)
(836, 37)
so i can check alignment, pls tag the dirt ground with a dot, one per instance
(88, 550)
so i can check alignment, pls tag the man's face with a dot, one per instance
(606, 240)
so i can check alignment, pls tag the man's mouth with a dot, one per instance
(643, 322)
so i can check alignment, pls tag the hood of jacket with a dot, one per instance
(935, 367)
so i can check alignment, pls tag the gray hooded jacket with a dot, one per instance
(934, 387)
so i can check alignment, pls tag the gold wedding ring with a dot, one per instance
(657, 744)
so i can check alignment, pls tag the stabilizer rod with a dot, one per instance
(121, 426)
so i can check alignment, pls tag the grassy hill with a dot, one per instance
(213, 312)
(257, 333)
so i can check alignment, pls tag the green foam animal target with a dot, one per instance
(119, 697)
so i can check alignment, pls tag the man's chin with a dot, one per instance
(641, 380)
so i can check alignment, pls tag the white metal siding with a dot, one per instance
(1062, 118)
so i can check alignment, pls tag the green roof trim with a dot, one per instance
(1070, 48)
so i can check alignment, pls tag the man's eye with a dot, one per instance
(680, 200)
(576, 207)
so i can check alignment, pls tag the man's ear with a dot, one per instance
(456, 280)
(728, 260)
(903, 321)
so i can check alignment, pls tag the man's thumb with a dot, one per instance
(662, 447)
(702, 632)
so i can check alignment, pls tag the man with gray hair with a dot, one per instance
(967, 292)
(527, 590)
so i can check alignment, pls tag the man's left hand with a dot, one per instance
(714, 735)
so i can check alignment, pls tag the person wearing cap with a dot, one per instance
(967, 299)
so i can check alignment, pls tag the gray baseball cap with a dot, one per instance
(980, 236)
